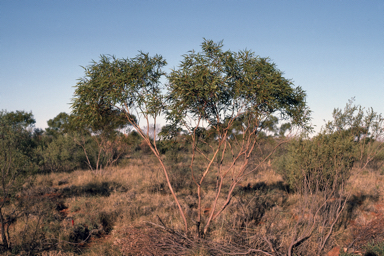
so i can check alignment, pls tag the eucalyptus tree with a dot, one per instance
(98, 119)
(131, 87)
(229, 93)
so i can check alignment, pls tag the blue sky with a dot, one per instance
(333, 49)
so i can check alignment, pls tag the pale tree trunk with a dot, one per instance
(154, 149)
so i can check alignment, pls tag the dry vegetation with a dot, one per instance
(128, 210)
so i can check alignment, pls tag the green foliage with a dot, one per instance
(111, 90)
(15, 162)
(57, 150)
(353, 136)
(219, 86)
(326, 159)
(175, 151)
(172, 144)
(318, 168)
(20, 118)
(367, 128)
(169, 132)
(112, 86)
(374, 249)
(62, 154)
(60, 124)
(357, 121)
(72, 144)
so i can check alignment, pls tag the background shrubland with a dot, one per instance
(309, 188)
(236, 169)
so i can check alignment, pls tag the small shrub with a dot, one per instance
(107, 221)
(79, 234)
(374, 249)
(325, 161)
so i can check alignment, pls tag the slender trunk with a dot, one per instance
(170, 188)
(98, 160)
(199, 210)
(213, 206)
(157, 154)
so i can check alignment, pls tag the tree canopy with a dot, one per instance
(112, 89)
(218, 86)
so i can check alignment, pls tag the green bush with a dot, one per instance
(374, 249)
(324, 161)
(62, 154)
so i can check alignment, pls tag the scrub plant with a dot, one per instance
(318, 169)
(15, 164)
